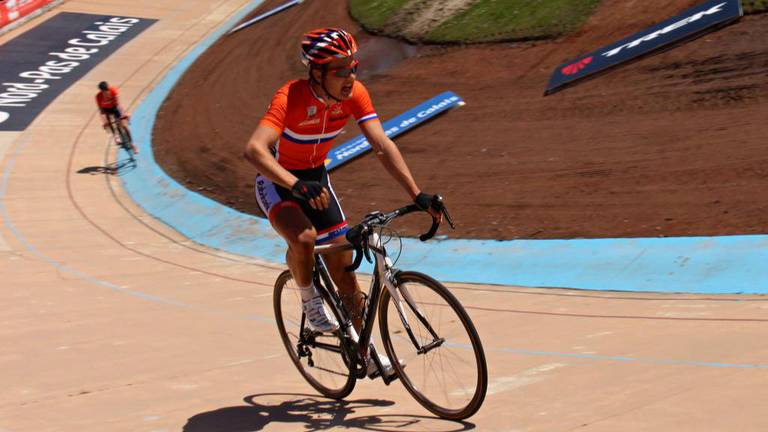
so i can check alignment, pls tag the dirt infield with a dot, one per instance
(671, 145)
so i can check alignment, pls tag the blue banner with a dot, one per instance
(393, 127)
(689, 24)
(37, 66)
(265, 15)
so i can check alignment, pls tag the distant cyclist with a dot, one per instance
(289, 148)
(109, 104)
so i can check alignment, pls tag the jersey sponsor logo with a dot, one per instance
(311, 119)
(674, 26)
(263, 197)
(574, 68)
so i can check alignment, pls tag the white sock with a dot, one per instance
(308, 293)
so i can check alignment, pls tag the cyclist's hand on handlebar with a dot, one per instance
(313, 192)
(429, 203)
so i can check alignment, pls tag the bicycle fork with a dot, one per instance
(395, 292)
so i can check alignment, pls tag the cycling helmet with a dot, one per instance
(321, 46)
(103, 85)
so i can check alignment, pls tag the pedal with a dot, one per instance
(374, 357)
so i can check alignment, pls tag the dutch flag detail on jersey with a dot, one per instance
(368, 117)
(309, 139)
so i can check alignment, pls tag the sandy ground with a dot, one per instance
(669, 146)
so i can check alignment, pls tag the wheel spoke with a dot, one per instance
(450, 379)
(328, 372)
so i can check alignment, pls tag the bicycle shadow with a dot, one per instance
(311, 413)
(119, 168)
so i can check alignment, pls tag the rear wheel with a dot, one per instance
(317, 356)
(125, 137)
(434, 346)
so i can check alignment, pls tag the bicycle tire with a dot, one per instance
(481, 367)
(125, 138)
(111, 124)
(337, 391)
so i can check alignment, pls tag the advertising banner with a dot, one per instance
(265, 15)
(11, 10)
(689, 24)
(393, 127)
(40, 64)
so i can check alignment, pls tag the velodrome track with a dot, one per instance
(111, 321)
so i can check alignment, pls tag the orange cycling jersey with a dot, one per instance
(110, 101)
(307, 126)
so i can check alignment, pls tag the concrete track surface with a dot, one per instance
(111, 321)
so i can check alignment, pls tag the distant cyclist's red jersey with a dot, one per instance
(109, 101)
(307, 127)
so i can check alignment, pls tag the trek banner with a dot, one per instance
(688, 25)
(38, 65)
(11, 10)
(358, 145)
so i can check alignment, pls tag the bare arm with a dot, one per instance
(389, 156)
(258, 153)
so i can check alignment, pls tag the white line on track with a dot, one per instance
(6, 140)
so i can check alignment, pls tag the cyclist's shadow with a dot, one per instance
(310, 413)
(118, 168)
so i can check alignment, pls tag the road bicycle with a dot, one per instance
(428, 336)
(120, 134)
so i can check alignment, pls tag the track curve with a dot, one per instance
(114, 321)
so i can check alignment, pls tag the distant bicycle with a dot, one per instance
(107, 101)
(121, 135)
(428, 336)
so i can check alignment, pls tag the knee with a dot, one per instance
(304, 243)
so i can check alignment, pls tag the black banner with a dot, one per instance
(40, 64)
(689, 24)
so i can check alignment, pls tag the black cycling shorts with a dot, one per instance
(329, 223)
(114, 111)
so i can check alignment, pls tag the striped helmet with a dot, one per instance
(321, 46)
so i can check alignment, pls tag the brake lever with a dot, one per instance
(366, 250)
(356, 263)
(448, 217)
(438, 205)
(355, 238)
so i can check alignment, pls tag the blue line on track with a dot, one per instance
(173, 195)
(711, 265)
(87, 278)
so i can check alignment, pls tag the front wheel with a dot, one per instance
(434, 346)
(317, 356)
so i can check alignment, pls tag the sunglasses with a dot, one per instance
(346, 71)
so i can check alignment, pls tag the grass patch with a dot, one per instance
(754, 6)
(372, 14)
(492, 20)
(496, 20)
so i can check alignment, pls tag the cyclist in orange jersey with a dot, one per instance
(293, 189)
(108, 103)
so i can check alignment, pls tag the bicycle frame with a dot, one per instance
(384, 271)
